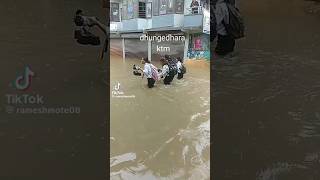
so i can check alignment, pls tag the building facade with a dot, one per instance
(131, 19)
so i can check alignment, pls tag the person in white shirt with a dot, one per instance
(147, 71)
(180, 66)
(165, 72)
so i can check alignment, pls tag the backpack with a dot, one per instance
(173, 69)
(155, 74)
(183, 69)
(235, 27)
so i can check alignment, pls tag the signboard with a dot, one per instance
(197, 43)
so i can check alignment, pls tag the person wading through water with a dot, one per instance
(166, 73)
(150, 71)
(172, 63)
(181, 68)
(229, 26)
(225, 43)
(83, 33)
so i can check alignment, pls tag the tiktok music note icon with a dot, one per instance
(117, 87)
(23, 82)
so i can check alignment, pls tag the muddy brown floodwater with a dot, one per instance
(163, 132)
(266, 97)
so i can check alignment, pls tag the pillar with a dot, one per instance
(186, 46)
(123, 50)
(149, 50)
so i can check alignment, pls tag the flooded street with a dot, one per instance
(266, 97)
(163, 132)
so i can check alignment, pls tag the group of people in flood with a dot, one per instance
(171, 67)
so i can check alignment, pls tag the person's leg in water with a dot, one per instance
(232, 43)
(167, 80)
(225, 45)
(151, 82)
(170, 79)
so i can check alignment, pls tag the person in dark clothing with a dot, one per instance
(213, 23)
(165, 72)
(232, 2)
(225, 43)
(151, 82)
(82, 32)
(172, 64)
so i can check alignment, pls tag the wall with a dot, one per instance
(134, 24)
(169, 20)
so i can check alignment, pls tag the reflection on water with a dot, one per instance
(267, 96)
(164, 132)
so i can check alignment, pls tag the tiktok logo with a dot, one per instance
(23, 82)
(116, 90)
(117, 87)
